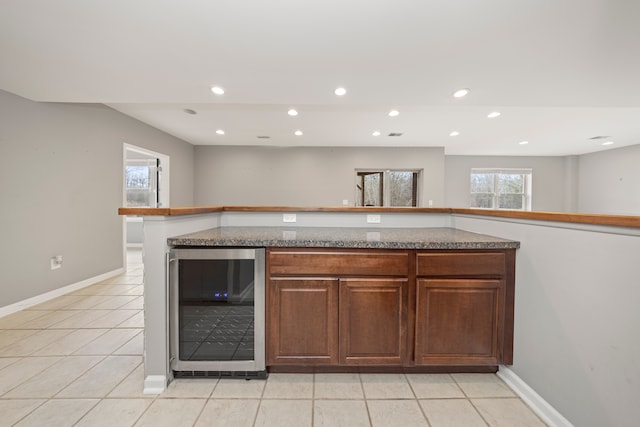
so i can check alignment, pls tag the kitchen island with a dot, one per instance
(417, 299)
(572, 335)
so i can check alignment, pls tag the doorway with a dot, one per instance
(145, 185)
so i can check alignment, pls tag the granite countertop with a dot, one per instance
(337, 237)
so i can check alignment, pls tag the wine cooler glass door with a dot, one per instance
(217, 309)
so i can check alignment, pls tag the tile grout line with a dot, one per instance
(255, 416)
(313, 398)
(145, 410)
(206, 400)
(415, 395)
(469, 399)
(32, 411)
(366, 400)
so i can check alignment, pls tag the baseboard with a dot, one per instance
(39, 299)
(154, 384)
(541, 407)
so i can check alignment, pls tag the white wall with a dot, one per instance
(548, 186)
(156, 231)
(61, 184)
(577, 321)
(304, 176)
(609, 182)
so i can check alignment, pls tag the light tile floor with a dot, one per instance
(77, 361)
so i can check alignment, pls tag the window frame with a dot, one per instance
(151, 189)
(526, 193)
(385, 181)
(163, 176)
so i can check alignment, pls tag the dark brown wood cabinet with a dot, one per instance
(373, 319)
(303, 316)
(464, 307)
(359, 317)
(389, 308)
(459, 321)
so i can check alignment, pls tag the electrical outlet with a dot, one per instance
(345, 202)
(289, 235)
(288, 217)
(373, 236)
(56, 262)
(373, 219)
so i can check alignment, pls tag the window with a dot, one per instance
(146, 177)
(501, 189)
(141, 178)
(387, 187)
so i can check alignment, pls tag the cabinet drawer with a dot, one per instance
(339, 263)
(461, 264)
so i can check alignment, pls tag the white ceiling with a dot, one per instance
(560, 72)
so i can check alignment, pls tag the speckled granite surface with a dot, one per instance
(329, 237)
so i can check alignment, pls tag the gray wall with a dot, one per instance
(609, 182)
(576, 316)
(547, 187)
(304, 176)
(61, 180)
(603, 182)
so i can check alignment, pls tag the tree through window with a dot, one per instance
(501, 189)
(141, 180)
(387, 187)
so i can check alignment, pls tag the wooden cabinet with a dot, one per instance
(336, 307)
(373, 319)
(395, 308)
(459, 322)
(464, 308)
(303, 317)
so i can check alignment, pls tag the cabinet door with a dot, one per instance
(303, 322)
(459, 322)
(373, 321)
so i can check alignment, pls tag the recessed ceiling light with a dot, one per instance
(454, 133)
(292, 112)
(298, 132)
(460, 93)
(493, 115)
(376, 133)
(607, 143)
(220, 132)
(340, 91)
(190, 111)
(523, 142)
(217, 90)
(393, 113)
